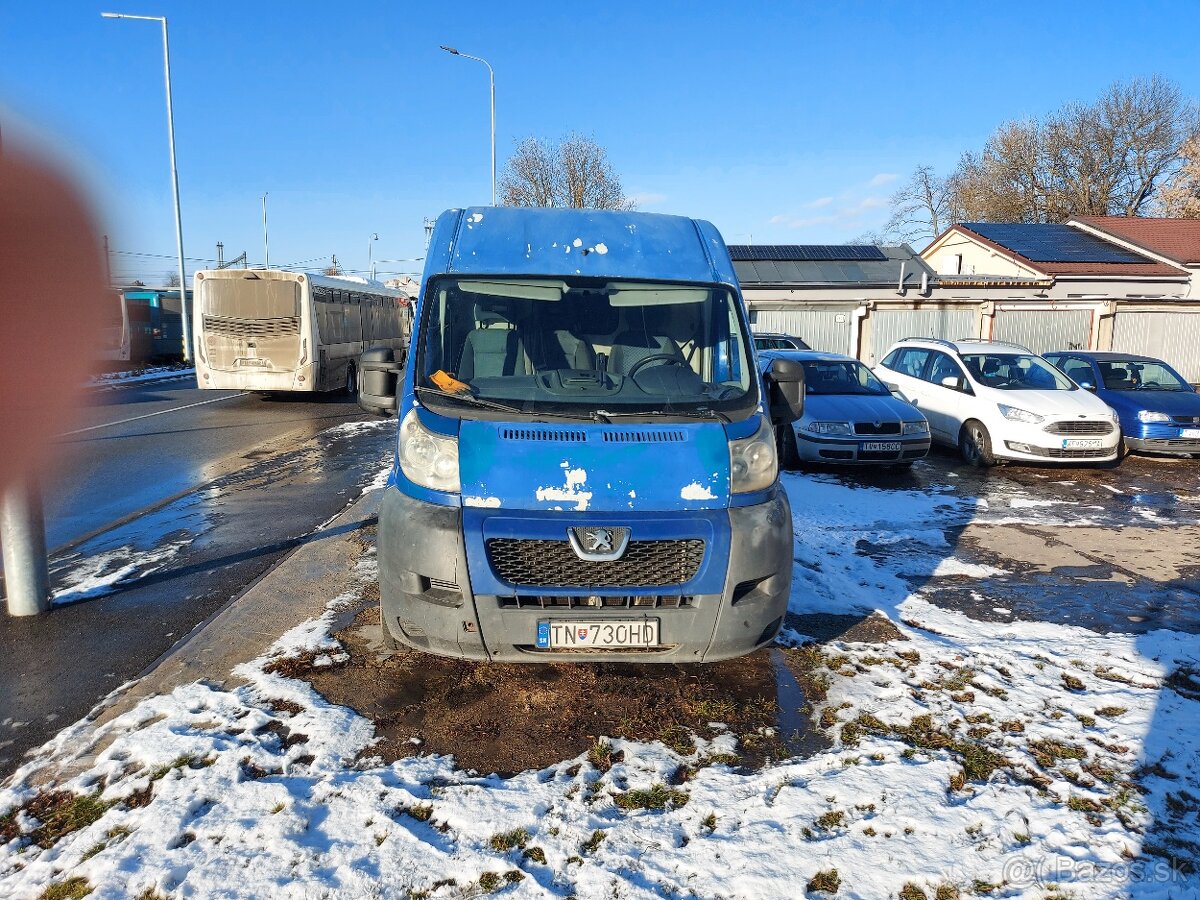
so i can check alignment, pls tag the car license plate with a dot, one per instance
(881, 447)
(607, 634)
(1189, 432)
(1082, 443)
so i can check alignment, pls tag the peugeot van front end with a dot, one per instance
(586, 464)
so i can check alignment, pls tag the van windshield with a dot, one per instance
(585, 347)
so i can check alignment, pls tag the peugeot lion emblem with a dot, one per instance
(598, 544)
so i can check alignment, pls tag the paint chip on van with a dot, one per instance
(695, 491)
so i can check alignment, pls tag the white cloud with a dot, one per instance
(882, 178)
(647, 198)
(872, 203)
(819, 202)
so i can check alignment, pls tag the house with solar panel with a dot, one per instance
(1073, 287)
(845, 298)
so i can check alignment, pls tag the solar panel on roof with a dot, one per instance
(1054, 243)
(808, 252)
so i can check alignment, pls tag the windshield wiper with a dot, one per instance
(484, 403)
(701, 413)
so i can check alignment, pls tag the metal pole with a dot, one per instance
(266, 247)
(492, 83)
(23, 534)
(183, 304)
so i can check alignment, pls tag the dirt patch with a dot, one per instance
(508, 718)
(825, 627)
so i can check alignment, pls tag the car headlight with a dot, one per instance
(1149, 415)
(921, 427)
(428, 459)
(753, 464)
(1016, 414)
(829, 428)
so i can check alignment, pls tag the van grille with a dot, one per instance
(556, 435)
(542, 563)
(1080, 428)
(644, 601)
(252, 328)
(643, 437)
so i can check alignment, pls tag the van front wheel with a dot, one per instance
(975, 445)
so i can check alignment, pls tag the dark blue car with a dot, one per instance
(1159, 411)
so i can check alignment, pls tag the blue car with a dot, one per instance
(850, 416)
(1158, 409)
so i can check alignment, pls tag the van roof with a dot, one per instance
(487, 240)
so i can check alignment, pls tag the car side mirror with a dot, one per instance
(379, 374)
(785, 386)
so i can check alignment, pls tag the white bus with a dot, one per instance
(266, 330)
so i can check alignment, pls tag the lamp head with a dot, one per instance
(449, 49)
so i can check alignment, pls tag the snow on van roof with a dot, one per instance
(587, 242)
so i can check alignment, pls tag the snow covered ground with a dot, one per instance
(1015, 759)
(137, 376)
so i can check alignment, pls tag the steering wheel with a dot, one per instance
(664, 358)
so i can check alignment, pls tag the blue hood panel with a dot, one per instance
(858, 408)
(1173, 403)
(603, 468)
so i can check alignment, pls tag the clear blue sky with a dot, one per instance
(787, 121)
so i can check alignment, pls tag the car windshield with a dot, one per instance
(840, 377)
(1139, 375)
(584, 347)
(1016, 372)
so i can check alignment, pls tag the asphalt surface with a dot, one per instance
(205, 499)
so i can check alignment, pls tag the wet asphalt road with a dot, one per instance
(207, 498)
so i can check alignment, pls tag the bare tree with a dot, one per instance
(1107, 158)
(171, 279)
(575, 173)
(922, 209)
(1179, 198)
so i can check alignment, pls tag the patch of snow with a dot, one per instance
(95, 576)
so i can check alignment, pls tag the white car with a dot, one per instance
(995, 400)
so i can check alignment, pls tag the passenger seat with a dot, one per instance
(493, 348)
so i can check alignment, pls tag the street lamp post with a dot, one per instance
(371, 253)
(266, 246)
(183, 305)
(492, 81)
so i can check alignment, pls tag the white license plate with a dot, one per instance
(881, 447)
(608, 634)
(251, 361)
(1082, 443)
(1189, 432)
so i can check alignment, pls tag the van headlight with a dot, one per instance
(1149, 415)
(1016, 414)
(753, 464)
(427, 459)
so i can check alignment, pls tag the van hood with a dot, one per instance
(607, 468)
(859, 408)
(1055, 404)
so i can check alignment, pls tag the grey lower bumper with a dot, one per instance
(426, 600)
(1174, 446)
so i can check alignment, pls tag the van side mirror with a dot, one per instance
(379, 374)
(785, 386)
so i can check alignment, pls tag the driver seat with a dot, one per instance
(634, 344)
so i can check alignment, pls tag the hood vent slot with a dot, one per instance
(643, 437)
(557, 435)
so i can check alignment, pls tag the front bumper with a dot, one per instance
(1161, 437)
(428, 599)
(1018, 440)
(849, 451)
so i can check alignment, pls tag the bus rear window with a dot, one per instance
(251, 298)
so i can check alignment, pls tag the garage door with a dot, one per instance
(887, 326)
(1173, 336)
(1044, 329)
(822, 328)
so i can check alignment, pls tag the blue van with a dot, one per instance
(586, 466)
